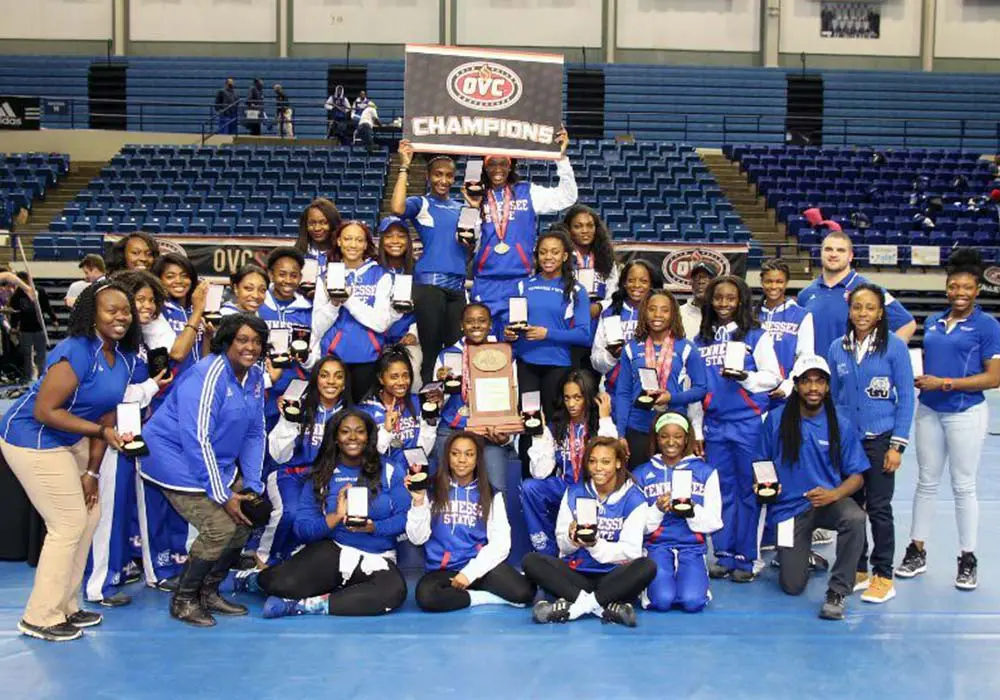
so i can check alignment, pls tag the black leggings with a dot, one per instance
(315, 570)
(436, 594)
(363, 378)
(439, 323)
(544, 378)
(622, 584)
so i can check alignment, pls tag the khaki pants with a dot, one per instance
(217, 532)
(51, 478)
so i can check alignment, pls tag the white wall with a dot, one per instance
(529, 23)
(366, 21)
(900, 30)
(55, 19)
(967, 29)
(689, 25)
(239, 21)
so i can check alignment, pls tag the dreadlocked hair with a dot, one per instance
(790, 431)
(329, 456)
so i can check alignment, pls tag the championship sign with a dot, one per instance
(482, 102)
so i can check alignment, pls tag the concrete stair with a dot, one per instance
(44, 210)
(765, 231)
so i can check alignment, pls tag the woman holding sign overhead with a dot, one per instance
(44, 440)
(509, 227)
(439, 275)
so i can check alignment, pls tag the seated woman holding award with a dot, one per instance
(463, 526)
(619, 319)
(549, 316)
(601, 567)
(685, 505)
(350, 515)
(397, 413)
(660, 370)
(353, 310)
(293, 445)
(556, 457)
(452, 370)
(206, 451)
(742, 369)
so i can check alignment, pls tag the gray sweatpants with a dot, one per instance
(844, 517)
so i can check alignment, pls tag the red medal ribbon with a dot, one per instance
(508, 203)
(576, 449)
(663, 362)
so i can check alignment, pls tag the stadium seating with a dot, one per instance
(25, 176)
(844, 180)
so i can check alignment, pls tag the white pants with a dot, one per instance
(957, 438)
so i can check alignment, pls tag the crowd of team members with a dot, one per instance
(622, 487)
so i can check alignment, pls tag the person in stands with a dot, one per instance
(227, 108)
(93, 270)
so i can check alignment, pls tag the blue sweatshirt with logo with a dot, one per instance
(567, 321)
(621, 522)
(668, 530)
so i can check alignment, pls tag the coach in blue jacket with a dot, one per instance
(872, 386)
(206, 443)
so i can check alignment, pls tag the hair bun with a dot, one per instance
(965, 257)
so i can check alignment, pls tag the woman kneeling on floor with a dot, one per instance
(601, 567)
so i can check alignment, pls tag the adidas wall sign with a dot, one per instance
(20, 113)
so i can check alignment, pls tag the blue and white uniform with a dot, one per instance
(459, 538)
(791, 329)
(676, 544)
(178, 317)
(207, 424)
(443, 262)
(873, 390)
(411, 430)
(407, 323)
(686, 380)
(603, 361)
(355, 330)
(814, 467)
(497, 274)
(604, 287)
(284, 315)
(621, 524)
(294, 453)
(729, 421)
(828, 306)
(567, 321)
(555, 466)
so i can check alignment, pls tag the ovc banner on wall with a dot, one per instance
(675, 260)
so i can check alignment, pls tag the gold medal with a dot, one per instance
(502, 248)
(464, 411)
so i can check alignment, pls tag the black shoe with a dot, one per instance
(741, 576)
(619, 613)
(185, 605)
(818, 562)
(133, 573)
(718, 571)
(211, 600)
(833, 607)
(545, 612)
(246, 561)
(966, 579)
(85, 618)
(167, 585)
(63, 632)
(115, 601)
(914, 562)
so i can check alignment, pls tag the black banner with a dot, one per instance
(20, 113)
(675, 260)
(991, 280)
(481, 102)
(212, 257)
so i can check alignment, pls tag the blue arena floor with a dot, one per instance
(932, 641)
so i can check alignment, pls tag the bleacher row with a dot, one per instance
(25, 176)
(224, 190)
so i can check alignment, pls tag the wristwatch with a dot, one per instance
(899, 447)
(947, 385)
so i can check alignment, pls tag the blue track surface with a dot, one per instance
(932, 641)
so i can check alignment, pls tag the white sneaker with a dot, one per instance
(821, 537)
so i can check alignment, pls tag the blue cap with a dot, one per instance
(388, 221)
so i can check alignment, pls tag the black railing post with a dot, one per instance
(905, 132)
(961, 136)
(685, 128)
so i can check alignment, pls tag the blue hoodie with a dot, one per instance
(208, 423)
(357, 333)
(621, 522)
(288, 447)
(670, 531)
(567, 322)
(284, 314)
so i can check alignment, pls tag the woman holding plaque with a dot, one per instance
(351, 513)
(596, 268)
(439, 275)
(510, 225)
(43, 437)
(463, 526)
(391, 404)
(206, 451)
(685, 506)
(742, 369)
(600, 529)
(452, 368)
(318, 227)
(352, 321)
(293, 447)
(395, 254)
(558, 319)
(660, 370)
(556, 458)
(619, 319)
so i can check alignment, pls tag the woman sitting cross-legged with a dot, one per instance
(463, 526)
(601, 573)
(344, 569)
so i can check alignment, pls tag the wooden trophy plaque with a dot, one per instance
(492, 389)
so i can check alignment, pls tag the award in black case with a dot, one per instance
(293, 400)
(680, 493)
(765, 478)
(278, 341)
(129, 421)
(531, 413)
(402, 293)
(416, 458)
(518, 314)
(213, 304)
(357, 507)
(649, 385)
(586, 521)
(336, 281)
